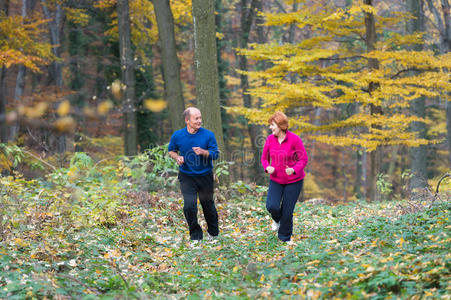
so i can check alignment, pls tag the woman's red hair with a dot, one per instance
(280, 119)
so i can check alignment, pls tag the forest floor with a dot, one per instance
(57, 246)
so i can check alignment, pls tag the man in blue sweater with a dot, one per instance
(194, 148)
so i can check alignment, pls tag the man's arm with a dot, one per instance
(211, 151)
(178, 158)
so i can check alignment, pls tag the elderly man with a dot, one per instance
(194, 148)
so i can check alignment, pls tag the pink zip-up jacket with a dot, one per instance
(288, 154)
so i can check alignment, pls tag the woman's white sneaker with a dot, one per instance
(275, 225)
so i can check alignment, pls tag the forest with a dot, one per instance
(91, 92)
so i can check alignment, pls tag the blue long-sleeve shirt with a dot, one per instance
(183, 142)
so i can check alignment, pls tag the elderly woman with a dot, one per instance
(284, 159)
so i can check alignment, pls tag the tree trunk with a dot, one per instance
(418, 157)
(205, 61)
(171, 64)
(223, 69)
(247, 19)
(128, 79)
(447, 21)
(446, 47)
(444, 27)
(56, 70)
(448, 128)
(375, 156)
(3, 125)
(20, 84)
(56, 73)
(358, 175)
(4, 5)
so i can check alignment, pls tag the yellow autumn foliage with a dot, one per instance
(330, 71)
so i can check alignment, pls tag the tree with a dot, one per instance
(374, 75)
(418, 154)
(170, 61)
(375, 109)
(4, 5)
(128, 79)
(443, 24)
(207, 86)
(21, 44)
(55, 17)
(248, 15)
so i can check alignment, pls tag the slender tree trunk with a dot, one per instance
(55, 40)
(393, 160)
(206, 69)
(20, 83)
(345, 178)
(223, 68)
(418, 157)
(128, 79)
(446, 47)
(247, 19)
(4, 5)
(292, 28)
(375, 156)
(358, 175)
(447, 21)
(448, 128)
(444, 27)
(56, 69)
(3, 125)
(171, 64)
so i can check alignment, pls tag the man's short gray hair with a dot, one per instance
(187, 113)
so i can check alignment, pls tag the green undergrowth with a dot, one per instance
(91, 233)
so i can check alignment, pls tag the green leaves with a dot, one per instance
(98, 236)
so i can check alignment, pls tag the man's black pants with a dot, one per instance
(191, 186)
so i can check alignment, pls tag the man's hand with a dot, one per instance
(270, 169)
(180, 160)
(200, 151)
(289, 171)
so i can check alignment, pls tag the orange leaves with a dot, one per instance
(21, 43)
(13, 57)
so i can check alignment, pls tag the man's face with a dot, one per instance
(195, 119)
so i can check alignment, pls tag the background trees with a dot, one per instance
(364, 83)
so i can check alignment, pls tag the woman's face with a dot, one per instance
(275, 129)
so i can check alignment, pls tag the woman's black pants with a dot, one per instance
(280, 202)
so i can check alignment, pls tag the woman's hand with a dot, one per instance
(270, 169)
(289, 171)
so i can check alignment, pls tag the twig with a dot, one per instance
(438, 184)
(43, 161)
(120, 274)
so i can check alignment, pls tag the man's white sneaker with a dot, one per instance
(275, 225)
(212, 239)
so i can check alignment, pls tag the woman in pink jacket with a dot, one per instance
(284, 158)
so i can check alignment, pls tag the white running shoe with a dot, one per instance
(212, 239)
(275, 225)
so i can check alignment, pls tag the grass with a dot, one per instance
(358, 250)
